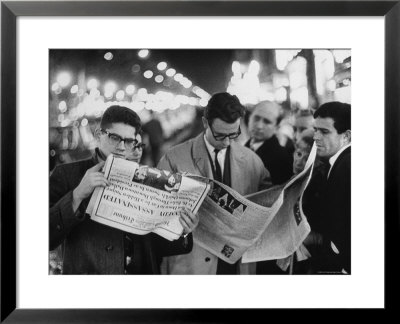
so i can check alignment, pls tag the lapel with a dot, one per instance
(200, 157)
(346, 152)
(238, 166)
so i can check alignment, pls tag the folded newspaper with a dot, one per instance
(141, 199)
(267, 225)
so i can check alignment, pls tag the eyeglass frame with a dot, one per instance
(135, 146)
(222, 137)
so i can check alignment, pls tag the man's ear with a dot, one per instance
(97, 134)
(347, 136)
(205, 122)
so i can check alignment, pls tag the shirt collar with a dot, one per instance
(333, 159)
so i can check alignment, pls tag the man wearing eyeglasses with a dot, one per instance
(92, 248)
(217, 155)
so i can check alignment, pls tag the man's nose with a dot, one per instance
(259, 124)
(226, 141)
(121, 145)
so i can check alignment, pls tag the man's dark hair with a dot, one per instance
(339, 112)
(224, 106)
(120, 114)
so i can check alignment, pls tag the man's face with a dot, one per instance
(326, 137)
(219, 127)
(107, 146)
(262, 122)
(301, 124)
(300, 156)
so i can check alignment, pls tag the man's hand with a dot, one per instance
(93, 178)
(188, 220)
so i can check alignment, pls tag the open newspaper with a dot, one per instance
(267, 225)
(141, 199)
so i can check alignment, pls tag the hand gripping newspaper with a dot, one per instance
(267, 225)
(141, 199)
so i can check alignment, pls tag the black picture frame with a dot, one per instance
(11, 10)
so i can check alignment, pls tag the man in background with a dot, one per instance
(332, 209)
(215, 154)
(303, 121)
(263, 125)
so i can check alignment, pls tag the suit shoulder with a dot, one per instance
(249, 155)
(73, 167)
(180, 149)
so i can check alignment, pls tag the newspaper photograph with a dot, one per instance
(141, 199)
(267, 225)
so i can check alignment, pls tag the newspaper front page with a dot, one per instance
(267, 225)
(141, 199)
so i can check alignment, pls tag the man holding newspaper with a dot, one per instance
(216, 155)
(90, 247)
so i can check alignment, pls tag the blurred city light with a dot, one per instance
(108, 56)
(142, 94)
(254, 67)
(324, 69)
(236, 69)
(110, 87)
(159, 78)
(280, 94)
(92, 83)
(143, 53)
(62, 106)
(283, 57)
(95, 93)
(136, 68)
(170, 72)
(187, 84)
(161, 66)
(148, 74)
(55, 86)
(63, 79)
(331, 85)
(74, 89)
(84, 122)
(108, 94)
(203, 102)
(300, 96)
(120, 95)
(130, 89)
(178, 77)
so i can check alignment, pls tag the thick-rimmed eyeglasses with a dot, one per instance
(130, 143)
(221, 137)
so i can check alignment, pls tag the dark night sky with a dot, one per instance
(209, 69)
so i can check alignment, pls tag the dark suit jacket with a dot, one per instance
(276, 159)
(334, 219)
(90, 247)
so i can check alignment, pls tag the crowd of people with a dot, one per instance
(89, 247)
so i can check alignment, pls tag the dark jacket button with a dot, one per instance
(207, 259)
(58, 227)
(109, 248)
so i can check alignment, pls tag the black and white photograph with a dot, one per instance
(247, 118)
(197, 161)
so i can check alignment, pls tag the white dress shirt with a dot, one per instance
(220, 156)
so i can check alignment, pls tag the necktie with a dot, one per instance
(218, 173)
